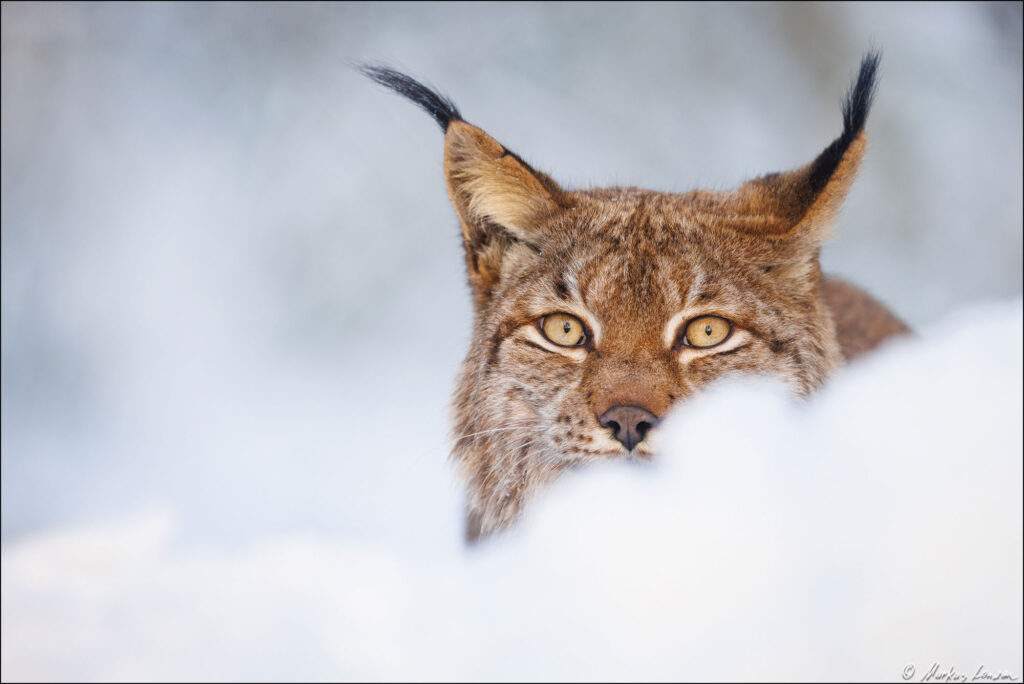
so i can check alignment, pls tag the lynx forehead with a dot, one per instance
(598, 309)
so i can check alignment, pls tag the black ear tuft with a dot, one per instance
(434, 103)
(858, 100)
(855, 113)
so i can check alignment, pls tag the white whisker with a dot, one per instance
(494, 430)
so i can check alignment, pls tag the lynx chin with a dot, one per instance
(598, 309)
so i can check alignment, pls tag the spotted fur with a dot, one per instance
(634, 266)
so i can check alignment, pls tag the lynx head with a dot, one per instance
(598, 309)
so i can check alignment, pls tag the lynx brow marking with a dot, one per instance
(695, 286)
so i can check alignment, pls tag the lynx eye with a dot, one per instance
(563, 330)
(707, 331)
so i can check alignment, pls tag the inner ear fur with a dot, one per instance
(500, 199)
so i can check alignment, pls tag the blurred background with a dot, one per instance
(229, 260)
(232, 285)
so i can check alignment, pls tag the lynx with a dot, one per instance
(598, 309)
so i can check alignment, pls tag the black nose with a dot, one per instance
(629, 424)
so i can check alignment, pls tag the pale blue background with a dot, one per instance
(232, 282)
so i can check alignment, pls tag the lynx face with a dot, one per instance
(596, 310)
(648, 304)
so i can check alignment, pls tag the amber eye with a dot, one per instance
(564, 330)
(707, 331)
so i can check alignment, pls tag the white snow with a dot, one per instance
(875, 527)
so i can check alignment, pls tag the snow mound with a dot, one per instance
(874, 532)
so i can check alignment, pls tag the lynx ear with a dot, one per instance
(491, 186)
(800, 206)
(500, 199)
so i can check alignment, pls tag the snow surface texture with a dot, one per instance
(875, 528)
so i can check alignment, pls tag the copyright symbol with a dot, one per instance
(908, 672)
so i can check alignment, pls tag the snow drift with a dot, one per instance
(873, 532)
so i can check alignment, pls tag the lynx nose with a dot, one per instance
(629, 424)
